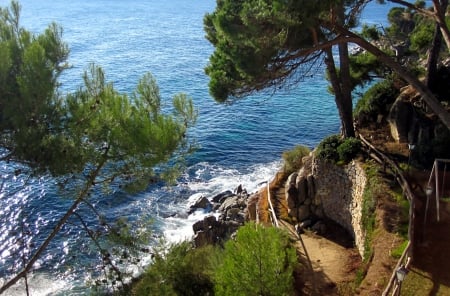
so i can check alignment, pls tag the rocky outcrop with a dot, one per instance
(322, 190)
(410, 121)
(401, 118)
(229, 212)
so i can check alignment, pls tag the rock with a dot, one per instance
(235, 214)
(311, 186)
(400, 118)
(219, 198)
(302, 187)
(232, 202)
(292, 178)
(212, 231)
(291, 195)
(238, 190)
(319, 227)
(205, 224)
(305, 223)
(232, 209)
(201, 203)
(303, 213)
(293, 212)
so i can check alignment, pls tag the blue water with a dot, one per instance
(239, 143)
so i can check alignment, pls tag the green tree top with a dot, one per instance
(92, 136)
(258, 262)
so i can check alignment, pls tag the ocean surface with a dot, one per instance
(240, 143)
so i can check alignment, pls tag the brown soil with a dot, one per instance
(326, 262)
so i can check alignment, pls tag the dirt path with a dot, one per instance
(326, 263)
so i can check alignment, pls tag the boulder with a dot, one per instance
(302, 187)
(320, 227)
(219, 198)
(400, 118)
(232, 202)
(200, 203)
(303, 213)
(311, 186)
(205, 224)
(291, 195)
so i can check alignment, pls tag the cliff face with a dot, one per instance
(325, 190)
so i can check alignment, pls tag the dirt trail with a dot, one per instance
(325, 262)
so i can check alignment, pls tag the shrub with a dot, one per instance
(258, 262)
(375, 101)
(181, 271)
(349, 148)
(327, 149)
(293, 158)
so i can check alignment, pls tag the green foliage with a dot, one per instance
(249, 36)
(293, 158)
(92, 137)
(397, 252)
(364, 67)
(376, 100)
(182, 270)
(258, 262)
(401, 23)
(422, 35)
(338, 150)
(30, 65)
(370, 33)
(371, 192)
(327, 149)
(348, 149)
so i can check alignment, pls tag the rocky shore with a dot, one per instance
(228, 211)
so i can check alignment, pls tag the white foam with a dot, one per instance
(177, 229)
(39, 284)
(222, 179)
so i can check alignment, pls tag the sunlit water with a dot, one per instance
(239, 144)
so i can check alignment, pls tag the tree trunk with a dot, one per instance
(433, 57)
(346, 84)
(427, 95)
(346, 121)
(440, 7)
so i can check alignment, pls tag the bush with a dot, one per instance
(375, 101)
(181, 271)
(293, 158)
(258, 262)
(336, 149)
(349, 148)
(327, 149)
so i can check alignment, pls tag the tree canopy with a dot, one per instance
(269, 44)
(93, 136)
(259, 44)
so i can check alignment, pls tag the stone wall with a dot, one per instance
(325, 190)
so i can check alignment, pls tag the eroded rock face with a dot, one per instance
(327, 191)
(401, 119)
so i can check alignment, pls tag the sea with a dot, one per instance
(240, 143)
